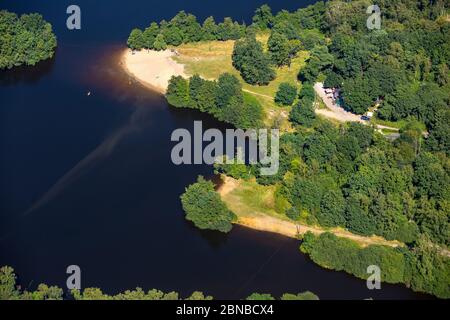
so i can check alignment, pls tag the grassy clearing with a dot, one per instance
(394, 124)
(397, 124)
(212, 58)
(388, 132)
(208, 59)
(248, 198)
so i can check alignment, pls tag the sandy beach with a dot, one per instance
(152, 68)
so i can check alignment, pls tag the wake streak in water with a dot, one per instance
(102, 152)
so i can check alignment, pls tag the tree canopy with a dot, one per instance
(286, 94)
(252, 62)
(9, 291)
(26, 40)
(204, 207)
(183, 28)
(224, 99)
(349, 175)
(424, 269)
(263, 17)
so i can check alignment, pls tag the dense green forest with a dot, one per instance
(423, 268)
(9, 290)
(252, 62)
(224, 99)
(403, 67)
(350, 175)
(27, 39)
(184, 28)
(353, 177)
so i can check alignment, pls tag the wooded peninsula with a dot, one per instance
(334, 175)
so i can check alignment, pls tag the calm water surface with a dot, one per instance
(88, 180)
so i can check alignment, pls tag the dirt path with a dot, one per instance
(228, 185)
(335, 112)
(258, 94)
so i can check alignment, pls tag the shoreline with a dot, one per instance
(152, 69)
(267, 223)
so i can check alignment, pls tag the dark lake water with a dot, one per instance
(88, 180)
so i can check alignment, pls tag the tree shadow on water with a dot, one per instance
(26, 74)
(215, 239)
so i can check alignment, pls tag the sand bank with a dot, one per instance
(152, 68)
(264, 222)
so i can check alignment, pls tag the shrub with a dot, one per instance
(286, 94)
(204, 207)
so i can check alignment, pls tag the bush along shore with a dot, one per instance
(9, 290)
